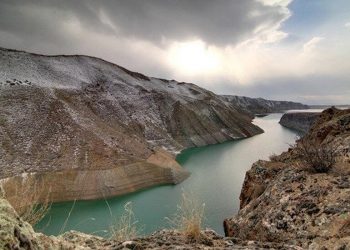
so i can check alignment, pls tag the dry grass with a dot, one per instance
(30, 199)
(2, 121)
(273, 157)
(189, 217)
(63, 228)
(126, 228)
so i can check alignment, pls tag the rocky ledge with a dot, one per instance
(299, 121)
(284, 200)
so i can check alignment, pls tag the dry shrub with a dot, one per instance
(273, 157)
(67, 218)
(30, 199)
(189, 217)
(344, 230)
(126, 227)
(321, 158)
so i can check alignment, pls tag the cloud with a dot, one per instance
(312, 43)
(218, 22)
(309, 89)
(231, 47)
(138, 34)
(347, 25)
(283, 3)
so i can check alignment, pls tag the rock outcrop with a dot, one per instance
(299, 121)
(286, 201)
(260, 106)
(89, 128)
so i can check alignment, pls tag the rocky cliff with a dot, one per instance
(88, 128)
(299, 121)
(286, 201)
(256, 106)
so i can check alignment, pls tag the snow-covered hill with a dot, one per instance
(260, 105)
(79, 114)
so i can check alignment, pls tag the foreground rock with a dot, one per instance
(299, 121)
(88, 128)
(285, 201)
(18, 234)
(260, 106)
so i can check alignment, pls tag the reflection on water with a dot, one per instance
(217, 175)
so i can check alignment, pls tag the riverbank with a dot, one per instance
(215, 168)
(299, 121)
(159, 169)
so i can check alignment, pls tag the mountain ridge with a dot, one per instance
(261, 106)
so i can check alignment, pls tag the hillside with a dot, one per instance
(88, 128)
(261, 106)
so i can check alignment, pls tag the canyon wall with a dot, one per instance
(300, 122)
(88, 128)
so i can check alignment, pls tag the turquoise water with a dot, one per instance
(217, 175)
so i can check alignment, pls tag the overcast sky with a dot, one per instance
(278, 49)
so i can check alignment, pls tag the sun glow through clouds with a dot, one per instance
(193, 58)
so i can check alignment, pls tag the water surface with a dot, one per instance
(217, 175)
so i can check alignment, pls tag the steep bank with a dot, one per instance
(261, 106)
(91, 184)
(89, 128)
(299, 121)
(286, 201)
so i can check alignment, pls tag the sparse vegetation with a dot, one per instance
(126, 228)
(29, 198)
(67, 218)
(2, 121)
(273, 157)
(189, 217)
(320, 158)
(345, 226)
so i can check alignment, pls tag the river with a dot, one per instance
(217, 176)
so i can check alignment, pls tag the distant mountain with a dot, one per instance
(344, 106)
(260, 105)
(88, 128)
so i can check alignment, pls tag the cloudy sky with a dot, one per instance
(278, 49)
